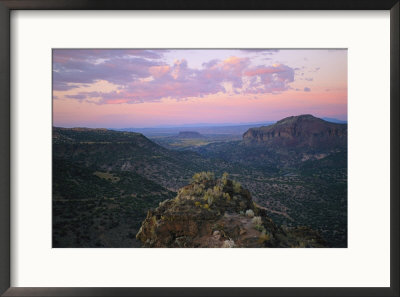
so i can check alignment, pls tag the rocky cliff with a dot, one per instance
(299, 131)
(215, 213)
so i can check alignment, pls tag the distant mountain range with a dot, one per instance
(168, 131)
(227, 128)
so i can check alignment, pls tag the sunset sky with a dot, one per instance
(155, 88)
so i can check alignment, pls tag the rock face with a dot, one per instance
(218, 213)
(299, 131)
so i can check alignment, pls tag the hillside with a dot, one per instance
(94, 208)
(127, 151)
(216, 213)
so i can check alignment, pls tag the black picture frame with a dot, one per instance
(7, 6)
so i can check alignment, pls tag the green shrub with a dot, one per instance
(210, 200)
(198, 189)
(202, 176)
(236, 187)
(260, 228)
(225, 178)
(217, 190)
(226, 196)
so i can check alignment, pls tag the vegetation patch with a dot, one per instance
(107, 176)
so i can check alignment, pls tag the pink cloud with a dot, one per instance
(117, 101)
(140, 78)
(158, 71)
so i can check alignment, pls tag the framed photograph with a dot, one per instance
(179, 167)
(169, 149)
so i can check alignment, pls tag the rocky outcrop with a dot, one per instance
(218, 213)
(299, 131)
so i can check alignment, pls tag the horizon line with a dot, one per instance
(196, 125)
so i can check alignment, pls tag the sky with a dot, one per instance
(137, 88)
